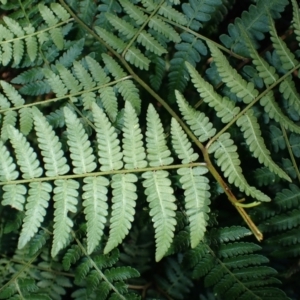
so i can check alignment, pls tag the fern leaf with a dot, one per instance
(137, 58)
(274, 112)
(83, 75)
(124, 27)
(287, 58)
(14, 26)
(196, 201)
(26, 121)
(12, 94)
(68, 79)
(57, 85)
(123, 208)
(224, 107)
(130, 93)
(14, 195)
(133, 150)
(134, 12)
(97, 71)
(181, 144)
(113, 41)
(172, 14)
(113, 67)
(158, 153)
(150, 43)
(10, 119)
(54, 161)
(160, 26)
(71, 257)
(60, 11)
(37, 203)
(82, 155)
(65, 200)
(243, 89)
(7, 166)
(296, 19)
(109, 101)
(108, 144)
(252, 134)
(26, 157)
(238, 248)
(225, 152)
(288, 89)
(198, 122)
(162, 209)
(160, 68)
(88, 98)
(96, 209)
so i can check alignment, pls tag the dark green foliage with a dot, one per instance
(125, 128)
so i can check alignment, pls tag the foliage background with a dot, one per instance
(52, 241)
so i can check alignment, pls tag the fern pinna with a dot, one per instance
(123, 125)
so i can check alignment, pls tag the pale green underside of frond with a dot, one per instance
(197, 200)
(225, 152)
(198, 122)
(162, 209)
(96, 209)
(158, 153)
(296, 19)
(8, 170)
(134, 154)
(123, 208)
(243, 89)
(82, 156)
(224, 107)
(65, 202)
(274, 112)
(252, 134)
(37, 203)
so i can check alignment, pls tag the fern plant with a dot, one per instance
(125, 128)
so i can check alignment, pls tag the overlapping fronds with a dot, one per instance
(16, 40)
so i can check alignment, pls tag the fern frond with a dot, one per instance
(54, 161)
(198, 122)
(150, 43)
(9, 119)
(12, 95)
(288, 60)
(57, 85)
(26, 121)
(83, 75)
(97, 71)
(37, 203)
(162, 209)
(296, 19)
(134, 11)
(123, 208)
(225, 152)
(26, 157)
(124, 27)
(65, 201)
(109, 101)
(238, 248)
(71, 83)
(82, 155)
(160, 68)
(71, 257)
(224, 107)
(112, 40)
(8, 170)
(274, 112)
(108, 144)
(137, 58)
(14, 195)
(288, 89)
(252, 134)
(113, 67)
(133, 150)
(172, 14)
(243, 89)
(96, 209)
(158, 153)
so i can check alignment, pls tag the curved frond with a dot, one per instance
(123, 208)
(296, 19)
(9, 119)
(26, 121)
(243, 89)
(286, 56)
(65, 201)
(133, 150)
(198, 122)
(224, 107)
(26, 157)
(14, 195)
(225, 152)
(11, 93)
(37, 203)
(252, 134)
(96, 209)
(162, 209)
(54, 161)
(274, 112)
(109, 101)
(8, 170)
(108, 144)
(158, 153)
(82, 155)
